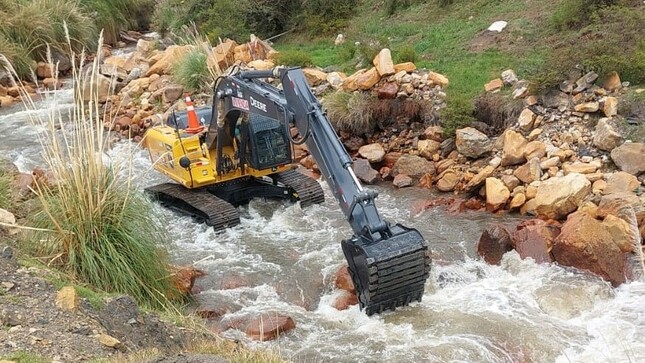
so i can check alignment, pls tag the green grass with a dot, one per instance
(192, 71)
(6, 194)
(24, 357)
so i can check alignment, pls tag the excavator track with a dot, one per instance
(198, 203)
(389, 273)
(309, 191)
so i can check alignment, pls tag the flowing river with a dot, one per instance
(282, 259)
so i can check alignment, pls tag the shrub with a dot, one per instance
(458, 113)
(570, 14)
(101, 229)
(323, 17)
(406, 54)
(294, 58)
(192, 71)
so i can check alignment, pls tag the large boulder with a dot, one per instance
(629, 157)
(448, 180)
(383, 63)
(494, 242)
(413, 166)
(534, 239)
(587, 243)
(269, 326)
(364, 171)
(314, 76)
(172, 55)
(368, 79)
(472, 142)
(497, 194)
(374, 153)
(223, 55)
(514, 145)
(606, 137)
(479, 178)
(559, 196)
(621, 182)
(427, 148)
(103, 87)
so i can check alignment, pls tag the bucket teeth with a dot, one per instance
(389, 273)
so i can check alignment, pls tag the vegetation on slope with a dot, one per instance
(28, 27)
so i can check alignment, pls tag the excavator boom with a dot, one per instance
(389, 263)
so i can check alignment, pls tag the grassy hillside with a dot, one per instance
(543, 41)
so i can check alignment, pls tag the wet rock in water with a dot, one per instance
(629, 157)
(514, 145)
(345, 300)
(559, 196)
(184, 278)
(413, 166)
(496, 194)
(606, 137)
(374, 153)
(364, 171)
(472, 143)
(343, 280)
(534, 239)
(494, 242)
(448, 180)
(402, 181)
(587, 243)
(269, 326)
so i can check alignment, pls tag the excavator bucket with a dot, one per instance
(388, 273)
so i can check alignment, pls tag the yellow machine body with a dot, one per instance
(168, 145)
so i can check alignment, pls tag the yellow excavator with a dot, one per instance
(241, 148)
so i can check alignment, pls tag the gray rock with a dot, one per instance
(472, 143)
(364, 171)
(606, 137)
(509, 77)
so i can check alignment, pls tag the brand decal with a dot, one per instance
(240, 103)
(257, 104)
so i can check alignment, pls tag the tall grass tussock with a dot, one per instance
(102, 230)
(6, 179)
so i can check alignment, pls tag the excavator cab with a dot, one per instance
(269, 145)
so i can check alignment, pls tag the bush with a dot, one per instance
(324, 17)
(192, 71)
(101, 228)
(294, 58)
(350, 112)
(458, 114)
(571, 14)
(405, 54)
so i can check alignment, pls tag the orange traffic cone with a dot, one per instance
(193, 123)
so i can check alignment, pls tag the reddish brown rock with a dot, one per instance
(184, 278)
(343, 280)
(345, 300)
(385, 172)
(391, 158)
(402, 181)
(494, 242)
(585, 243)
(231, 282)
(473, 204)
(211, 311)
(24, 182)
(269, 326)
(534, 238)
(387, 91)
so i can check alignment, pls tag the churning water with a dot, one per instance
(283, 259)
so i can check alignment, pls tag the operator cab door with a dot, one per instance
(268, 142)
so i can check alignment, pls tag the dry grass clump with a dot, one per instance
(102, 230)
(361, 113)
(497, 110)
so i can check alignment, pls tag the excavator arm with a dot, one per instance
(389, 264)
